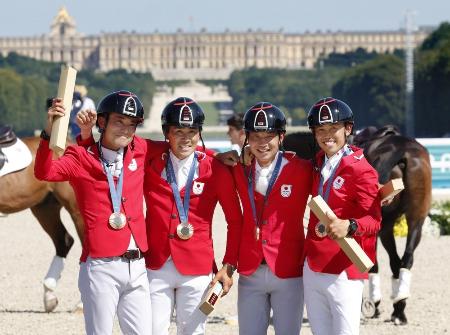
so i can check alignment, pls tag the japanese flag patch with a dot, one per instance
(133, 165)
(286, 190)
(338, 182)
(197, 187)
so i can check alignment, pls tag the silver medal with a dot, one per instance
(185, 230)
(320, 230)
(117, 220)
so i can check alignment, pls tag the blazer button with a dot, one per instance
(264, 241)
(124, 199)
(173, 216)
(171, 236)
(128, 218)
(264, 222)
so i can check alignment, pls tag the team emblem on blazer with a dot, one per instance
(197, 187)
(133, 165)
(338, 182)
(286, 190)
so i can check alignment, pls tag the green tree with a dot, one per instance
(292, 90)
(432, 84)
(25, 84)
(375, 91)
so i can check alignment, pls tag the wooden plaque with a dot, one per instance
(391, 189)
(60, 126)
(348, 244)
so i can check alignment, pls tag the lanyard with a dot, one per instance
(347, 151)
(116, 194)
(251, 193)
(183, 209)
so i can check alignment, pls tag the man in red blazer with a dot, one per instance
(273, 191)
(107, 179)
(182, 188)
(347, 182)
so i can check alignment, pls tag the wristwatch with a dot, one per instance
(352, 227)
(231, 267)
(44, 135)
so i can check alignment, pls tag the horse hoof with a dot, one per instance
(398, 317)
(368, 308)
(399, 321)
(50, 301)
(377, 310)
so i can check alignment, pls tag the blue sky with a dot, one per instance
(29, 18)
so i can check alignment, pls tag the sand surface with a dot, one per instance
(27, 252)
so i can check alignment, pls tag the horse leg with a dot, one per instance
(388, 240)
(412, 241)
(66, 197)
(375, 285)
(48, 214)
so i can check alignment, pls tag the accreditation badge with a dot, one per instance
(117, 220)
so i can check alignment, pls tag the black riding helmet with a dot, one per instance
(265, 116)
(182, 112)
(121, 102)
(329, 110)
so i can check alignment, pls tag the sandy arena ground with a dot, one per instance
(27, 252)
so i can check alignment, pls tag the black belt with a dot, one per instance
(132, 254)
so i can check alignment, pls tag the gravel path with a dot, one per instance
(27, 252)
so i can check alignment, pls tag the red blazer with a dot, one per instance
(356, 196)
(194, 256)
(82, 168)
(282, 233)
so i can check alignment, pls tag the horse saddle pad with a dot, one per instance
(14, 157)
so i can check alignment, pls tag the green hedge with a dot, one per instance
(441, 215)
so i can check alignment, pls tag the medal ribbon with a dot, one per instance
(182, 207)
(347, 151)
(116, 194)
(251, 192)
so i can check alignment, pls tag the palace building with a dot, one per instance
(199, 55)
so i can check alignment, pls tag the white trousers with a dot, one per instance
(333, 302)
(262, 291)
(168, 287)
(115, 284)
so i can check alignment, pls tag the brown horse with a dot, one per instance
(397, 156)
(21, 190)
(393, 156)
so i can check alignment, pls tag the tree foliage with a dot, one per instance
(348, 59)
(432, 84)
(375, 91)
(292, 90)
(25, 84)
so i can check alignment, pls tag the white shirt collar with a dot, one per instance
(180, 163)
(266, 171)
(334, 160)
(112, 156)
